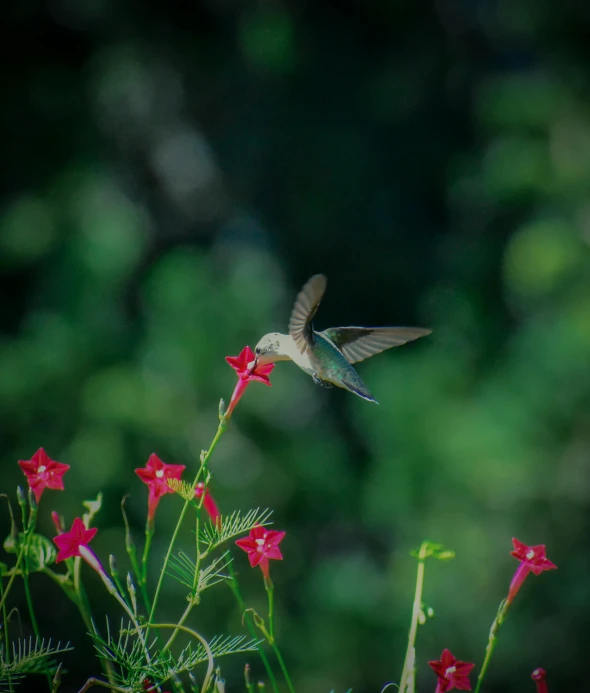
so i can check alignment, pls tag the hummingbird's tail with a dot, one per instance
(359, 388)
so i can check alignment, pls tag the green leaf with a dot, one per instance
(93, 507)
(182, 568)
(437, 551)
(40, 551)
(233, 526)
(32, 656)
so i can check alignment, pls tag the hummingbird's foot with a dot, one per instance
(318, 381)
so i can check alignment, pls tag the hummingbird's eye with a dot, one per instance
(257, 351)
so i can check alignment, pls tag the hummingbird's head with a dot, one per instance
(267, 349)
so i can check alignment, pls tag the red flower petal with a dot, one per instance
(69, 543)
(42, 472)
(261, 546)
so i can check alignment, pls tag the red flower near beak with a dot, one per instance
(240, 366)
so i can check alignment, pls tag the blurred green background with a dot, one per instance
(172, 174)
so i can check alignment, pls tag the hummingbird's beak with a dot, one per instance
(252, 365)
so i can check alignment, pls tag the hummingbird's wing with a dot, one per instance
(358, 343)
(306, 305)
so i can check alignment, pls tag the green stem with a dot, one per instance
(233, 584)
(83, 604)
(203, 642)
(149, 535)
(103, 684)
(271, 634)
(193, 598)
(84, 608)
(28, 596)
(12, 577)
(31, 608)
(271, 625)
(90, 558)
(283, 666)
(179, 626)
(142, 576)
(204, 461)
(6, 638)
(492, 641)
(408, 671)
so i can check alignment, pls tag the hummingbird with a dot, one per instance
(328, 355)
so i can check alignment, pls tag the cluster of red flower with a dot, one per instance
(262, 545)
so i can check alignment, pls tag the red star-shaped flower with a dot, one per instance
(246, 375)
(69, 543)
(534, 556)
(42, 472)
(262, 545)
(451, 673)
(156, 474)
(532, 559)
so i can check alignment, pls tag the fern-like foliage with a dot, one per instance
(183, 488)
(183, 569)
(29, 656)
(133, 666)
(213, 535)
(221, 645)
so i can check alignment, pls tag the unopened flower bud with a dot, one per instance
(21, 496)
(57, 522)
(132, 592)
(113, 566)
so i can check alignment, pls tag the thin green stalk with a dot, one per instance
(103, 684)
(270, 590)
(492, 641)
(21, 554)
(192, 601)
(6, 638)
(140, 574)
(94, 563)
(74, 564)
(233, 584)
(204, 461)
(149, 535)
(283, 666)
(31, 608)
(271, 631)
(203, 642)
(408, 672)
(29, 528)
(83, 604)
